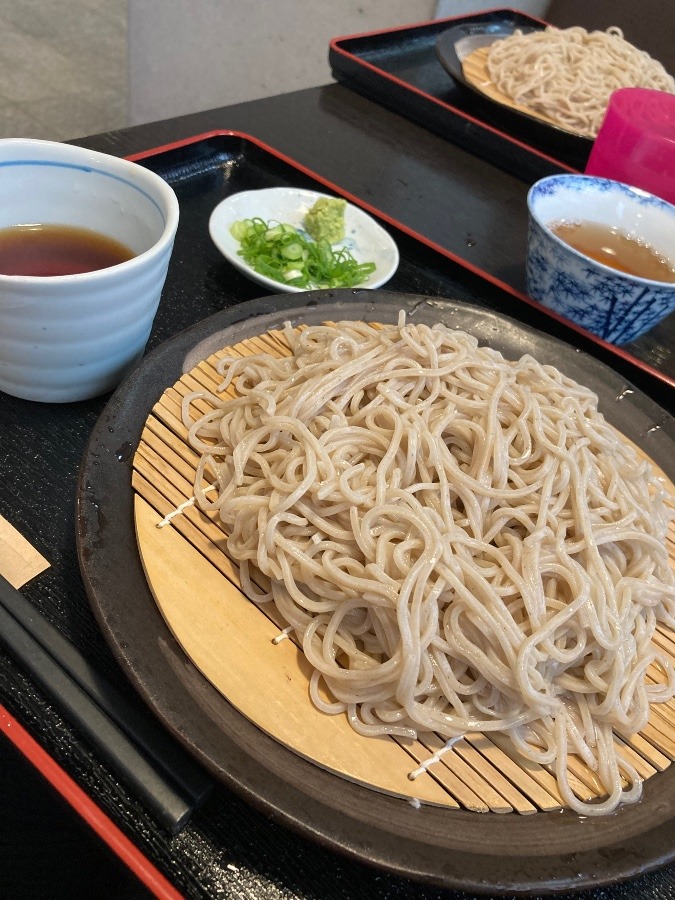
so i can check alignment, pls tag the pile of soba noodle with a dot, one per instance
(460, 543)
(569, 74)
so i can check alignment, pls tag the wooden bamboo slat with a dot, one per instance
(243, 650)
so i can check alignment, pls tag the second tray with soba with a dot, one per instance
(416, 70)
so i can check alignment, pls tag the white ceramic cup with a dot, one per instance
(71, 337)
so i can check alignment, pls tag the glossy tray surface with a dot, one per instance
(205, 289)
(401, 69)
(230, 846)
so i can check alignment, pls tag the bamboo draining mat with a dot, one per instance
(475, 70)
(243, 651)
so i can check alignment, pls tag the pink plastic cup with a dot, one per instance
(636, 141)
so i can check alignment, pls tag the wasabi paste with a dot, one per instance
(325, 221)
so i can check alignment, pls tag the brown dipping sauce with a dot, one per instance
(47, 250)
(615, 248)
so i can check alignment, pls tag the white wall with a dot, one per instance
(190, 55)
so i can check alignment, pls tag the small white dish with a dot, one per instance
(367, 241)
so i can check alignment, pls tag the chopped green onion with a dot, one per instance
(292, 251)
(282, 253)
(238, 230)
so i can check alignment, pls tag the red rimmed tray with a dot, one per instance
(222, 851)
(204, 291)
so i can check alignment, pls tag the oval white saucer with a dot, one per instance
(364, 237)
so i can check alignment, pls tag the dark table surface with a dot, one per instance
(228, 849)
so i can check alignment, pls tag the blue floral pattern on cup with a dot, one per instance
(613, 305)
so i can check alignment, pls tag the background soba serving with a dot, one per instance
(566, 75)
(492, 360)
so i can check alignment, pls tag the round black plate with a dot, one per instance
(459, 849)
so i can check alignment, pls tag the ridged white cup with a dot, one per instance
(71, 337)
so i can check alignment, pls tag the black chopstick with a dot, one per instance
(144, 730)
(170, 782)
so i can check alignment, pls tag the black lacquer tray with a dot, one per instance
(230, 845)
(400, 68)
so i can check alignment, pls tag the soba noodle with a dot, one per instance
(569, 74)
(460, 543)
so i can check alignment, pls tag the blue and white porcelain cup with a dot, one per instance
(614, 305)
